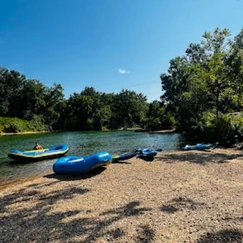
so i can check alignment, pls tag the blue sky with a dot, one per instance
(106, 44)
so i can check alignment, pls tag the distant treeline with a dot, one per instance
(201, 94)
(46, 107)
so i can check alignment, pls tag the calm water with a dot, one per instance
(80, 143)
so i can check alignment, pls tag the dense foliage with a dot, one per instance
(32, 101)
(202, 95)
(13, 125)
(205, 85)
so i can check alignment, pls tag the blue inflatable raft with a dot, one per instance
(81, 164)
(200, 146)
(35, 155)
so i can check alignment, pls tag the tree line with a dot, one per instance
(203, 89)
(202, 94)
(32, 101)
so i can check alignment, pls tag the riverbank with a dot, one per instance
(18, 133)
(163, 131)
(105, 130)
(190, 196)
(155, 131)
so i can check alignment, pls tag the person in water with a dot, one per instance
(37, 146)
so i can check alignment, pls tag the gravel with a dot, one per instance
(181, 196)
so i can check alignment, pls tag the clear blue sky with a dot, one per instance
(106, 44)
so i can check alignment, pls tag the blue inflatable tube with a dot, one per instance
(81, 164)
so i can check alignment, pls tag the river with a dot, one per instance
(80, 143)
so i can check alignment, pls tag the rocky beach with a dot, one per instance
(181, 196)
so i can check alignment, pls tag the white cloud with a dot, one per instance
(15, 65)
(123, 71)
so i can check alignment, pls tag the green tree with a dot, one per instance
(11, 86)
(207, 80)
(235, 63)
(129, 109)
(85, 110)
(54, 101)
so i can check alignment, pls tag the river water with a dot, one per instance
(80, 143)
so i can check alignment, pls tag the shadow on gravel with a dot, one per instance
(42, 199)
(180, 203)
(121, 162)
(66, 177)
(222, 236)
(198, 158)
(239, 219)
(145, 234)
(129, 210)
(33, 216)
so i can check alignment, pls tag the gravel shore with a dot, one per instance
(182, 196)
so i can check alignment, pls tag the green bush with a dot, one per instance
(14, 125)
(226, 130)
(168, 121)
(11, 128)
(37, 124)
(236, 121)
